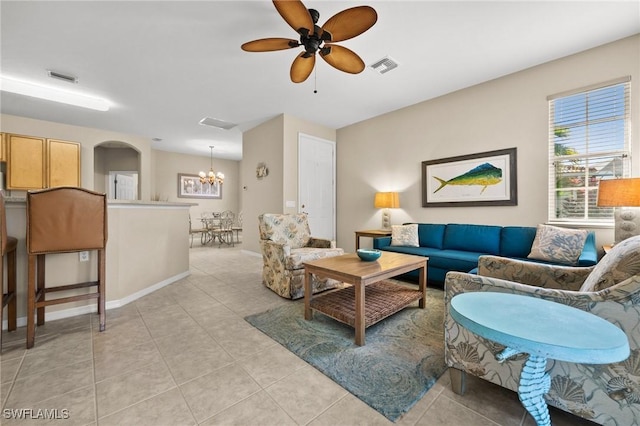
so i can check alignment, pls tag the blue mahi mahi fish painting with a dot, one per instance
(483, 175)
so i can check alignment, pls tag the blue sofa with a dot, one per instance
(457, 247)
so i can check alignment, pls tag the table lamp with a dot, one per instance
(625, 194)
(386, 201)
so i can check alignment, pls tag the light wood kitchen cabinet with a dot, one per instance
(25, 162)
(3, 147)
(63, 163)
(36, 163)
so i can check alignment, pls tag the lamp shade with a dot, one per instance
(619, 193)
(386, 200)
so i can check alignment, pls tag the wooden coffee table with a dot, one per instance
(383, 298)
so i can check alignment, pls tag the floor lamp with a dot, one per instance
(386, 201)
(624, 194)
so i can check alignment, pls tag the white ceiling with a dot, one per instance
(167, 64)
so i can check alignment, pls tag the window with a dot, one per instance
(588, 141)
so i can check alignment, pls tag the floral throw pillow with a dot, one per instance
(558, 245)
(405, 235)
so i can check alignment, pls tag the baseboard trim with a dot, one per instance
(112, 304)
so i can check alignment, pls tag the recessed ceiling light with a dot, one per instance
(220, 124)
(156, 139)
(54, 94)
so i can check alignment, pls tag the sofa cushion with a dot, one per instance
(455, 260)
(558, 245)
(621, 263)
(405, 235)
(431, 234)
(483, 239)
(516, 241)
(418, 251)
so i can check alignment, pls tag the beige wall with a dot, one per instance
(385, 153)
(275, 143)
(167, 165)
(262, 144)
(147, 246)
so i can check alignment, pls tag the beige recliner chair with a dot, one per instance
(286, 243)
(606, 394)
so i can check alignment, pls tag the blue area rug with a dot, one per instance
(403, 356)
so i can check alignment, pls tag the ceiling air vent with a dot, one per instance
(384, 65)
(64, 77)
(214, 122)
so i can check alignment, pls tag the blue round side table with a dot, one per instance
(542, 329)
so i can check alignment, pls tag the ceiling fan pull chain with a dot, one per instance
(315, 79)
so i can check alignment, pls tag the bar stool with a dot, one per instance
(63, 220)
(8, 246)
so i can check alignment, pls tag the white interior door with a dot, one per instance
(317, 184)
(123, 185)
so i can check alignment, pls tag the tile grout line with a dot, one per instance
(93, 365)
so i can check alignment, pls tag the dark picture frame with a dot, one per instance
(482, 179)
(189, 186)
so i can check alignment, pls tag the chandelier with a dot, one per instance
(212, 177)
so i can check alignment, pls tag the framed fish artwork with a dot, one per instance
(482, 179)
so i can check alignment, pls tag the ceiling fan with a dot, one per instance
(342, 26)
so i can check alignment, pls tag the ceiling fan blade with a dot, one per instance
(302, 67)
(342, 58)
(349, 23)
(296, 15)
(269, 44)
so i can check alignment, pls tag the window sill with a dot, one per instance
(574, 224)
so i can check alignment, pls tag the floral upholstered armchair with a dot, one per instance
(286, 243)
(606, 394)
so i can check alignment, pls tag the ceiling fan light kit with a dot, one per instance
(342, 26)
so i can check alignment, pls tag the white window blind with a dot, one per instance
(588, 141)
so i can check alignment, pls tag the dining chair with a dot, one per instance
(237, 226)
(224, 232)
(193, 231)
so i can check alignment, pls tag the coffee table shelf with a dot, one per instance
(383, 299)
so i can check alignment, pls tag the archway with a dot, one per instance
(117, 163)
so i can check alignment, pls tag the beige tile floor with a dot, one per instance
(184, 356)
